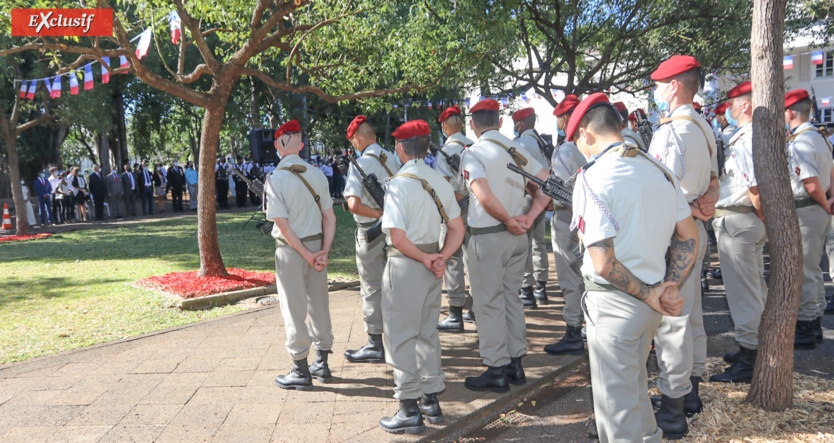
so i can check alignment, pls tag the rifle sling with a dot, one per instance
(431, 192)
(382, 159)
(794, 136)
(519, 159)
(297, 170)
(691, 120)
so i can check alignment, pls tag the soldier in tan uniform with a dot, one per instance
(565, 162)
(370, 257)
(685, 143)
(629, 134)
(299, 203)
(627, 208)
(451, 123)
(497, 249)
(417, 203)
(536, 268)
(810, 161)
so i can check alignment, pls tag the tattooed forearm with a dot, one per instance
(609, 268)
(681, 258)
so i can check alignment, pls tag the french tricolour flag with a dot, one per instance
(176, 26)
(787, 62)
(56, 87)
(88, 77)
(22, 90)
(144, 44)
(73, 83)
(105, 73)
(32, 87)
(826, 101)
(123, 63)
(817, 58)
(46, 82)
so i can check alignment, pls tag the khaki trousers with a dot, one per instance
(620, 329)
(302, 291)
(410, 307)
(370, 261)
(567, 266)
(814, 223)
(537, 264)
(741, 239)
(829, 248)
(456, 267)
(679, 354)
(497, 262)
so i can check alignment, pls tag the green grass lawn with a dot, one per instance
(73, 290)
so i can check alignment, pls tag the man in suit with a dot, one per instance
(44, 191)
(144, 178)
(98, 190)
(130, 189)
(115, 193)
(176, 182)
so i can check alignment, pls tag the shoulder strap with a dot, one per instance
(431, 192)
(632, 151)
(518, 157)
(382, 158)
(794, 136)
(628, 136)
(691, 120)
(458, 142)
(297, 170)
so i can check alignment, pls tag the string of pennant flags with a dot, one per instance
(53, 84)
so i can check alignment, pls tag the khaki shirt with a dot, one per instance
(370, 165)
(451, 147)
(410, 207)
(633, 137)
(685, 149)
(288, 197)
(566, 161)
(488, 160)
(727, 133)
(528, 141)
(808, 156)
(738, 170)
(631, 201)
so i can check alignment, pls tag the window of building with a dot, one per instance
(827, 115)
(826, 69)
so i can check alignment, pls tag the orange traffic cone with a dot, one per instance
(7, 220)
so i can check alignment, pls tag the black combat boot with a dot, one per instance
(715, 274)
(454, 322)
(527, 297)
(493, 379)
(571, 343)
(298, 378)
(430, 408)
(408, 419)
(691, 402)
(731, 357)
(373, 352)
(704, 282)
(540, 293)
(515, 372)
(741, 371)
(671, 419)
(319, 370)
(469, 317)
(818, 330)
(806, 336)
(829, 308)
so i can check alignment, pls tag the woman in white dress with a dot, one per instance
(30, 212)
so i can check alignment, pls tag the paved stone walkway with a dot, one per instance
(213, 381)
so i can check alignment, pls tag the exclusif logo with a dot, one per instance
(62, 22)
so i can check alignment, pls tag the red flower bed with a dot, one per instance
(24, 237)
(189, 285)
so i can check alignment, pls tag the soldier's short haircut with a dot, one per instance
(600, 120)
(529, 121)
(455, 121)
(366, 129)
(690, 80)
(416, 147)
(802, 107)
(485, 118)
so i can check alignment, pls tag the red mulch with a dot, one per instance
(189, 285)
(24, 237)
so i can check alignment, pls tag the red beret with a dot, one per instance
(633, 116)
(720, 109)
(354, 125)
(697, 106)
(674, 65)
(485, 105)
(289, 127)
(566, 105)
(741, 89)
(450, 111)
(414, 128)
(796, 96)
(523, 113)
(580, 111)
(620, 106)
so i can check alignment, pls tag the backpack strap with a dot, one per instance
(297, 170)
(382, 159)
(431, 192)
(691, 120)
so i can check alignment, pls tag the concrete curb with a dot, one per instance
(226, 298)
(485, 414)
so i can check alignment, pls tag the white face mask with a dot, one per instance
(23, 182)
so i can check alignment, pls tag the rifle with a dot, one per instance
(645, 128)
(371, 184)
(256, 185)
(452, 160)
(545, 144)
(553, 187)
(721, 155)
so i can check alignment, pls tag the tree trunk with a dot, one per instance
(772, 385)
(121, 127)
(211, 263)
(103, 143)
(255, 110)
(10, 140)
